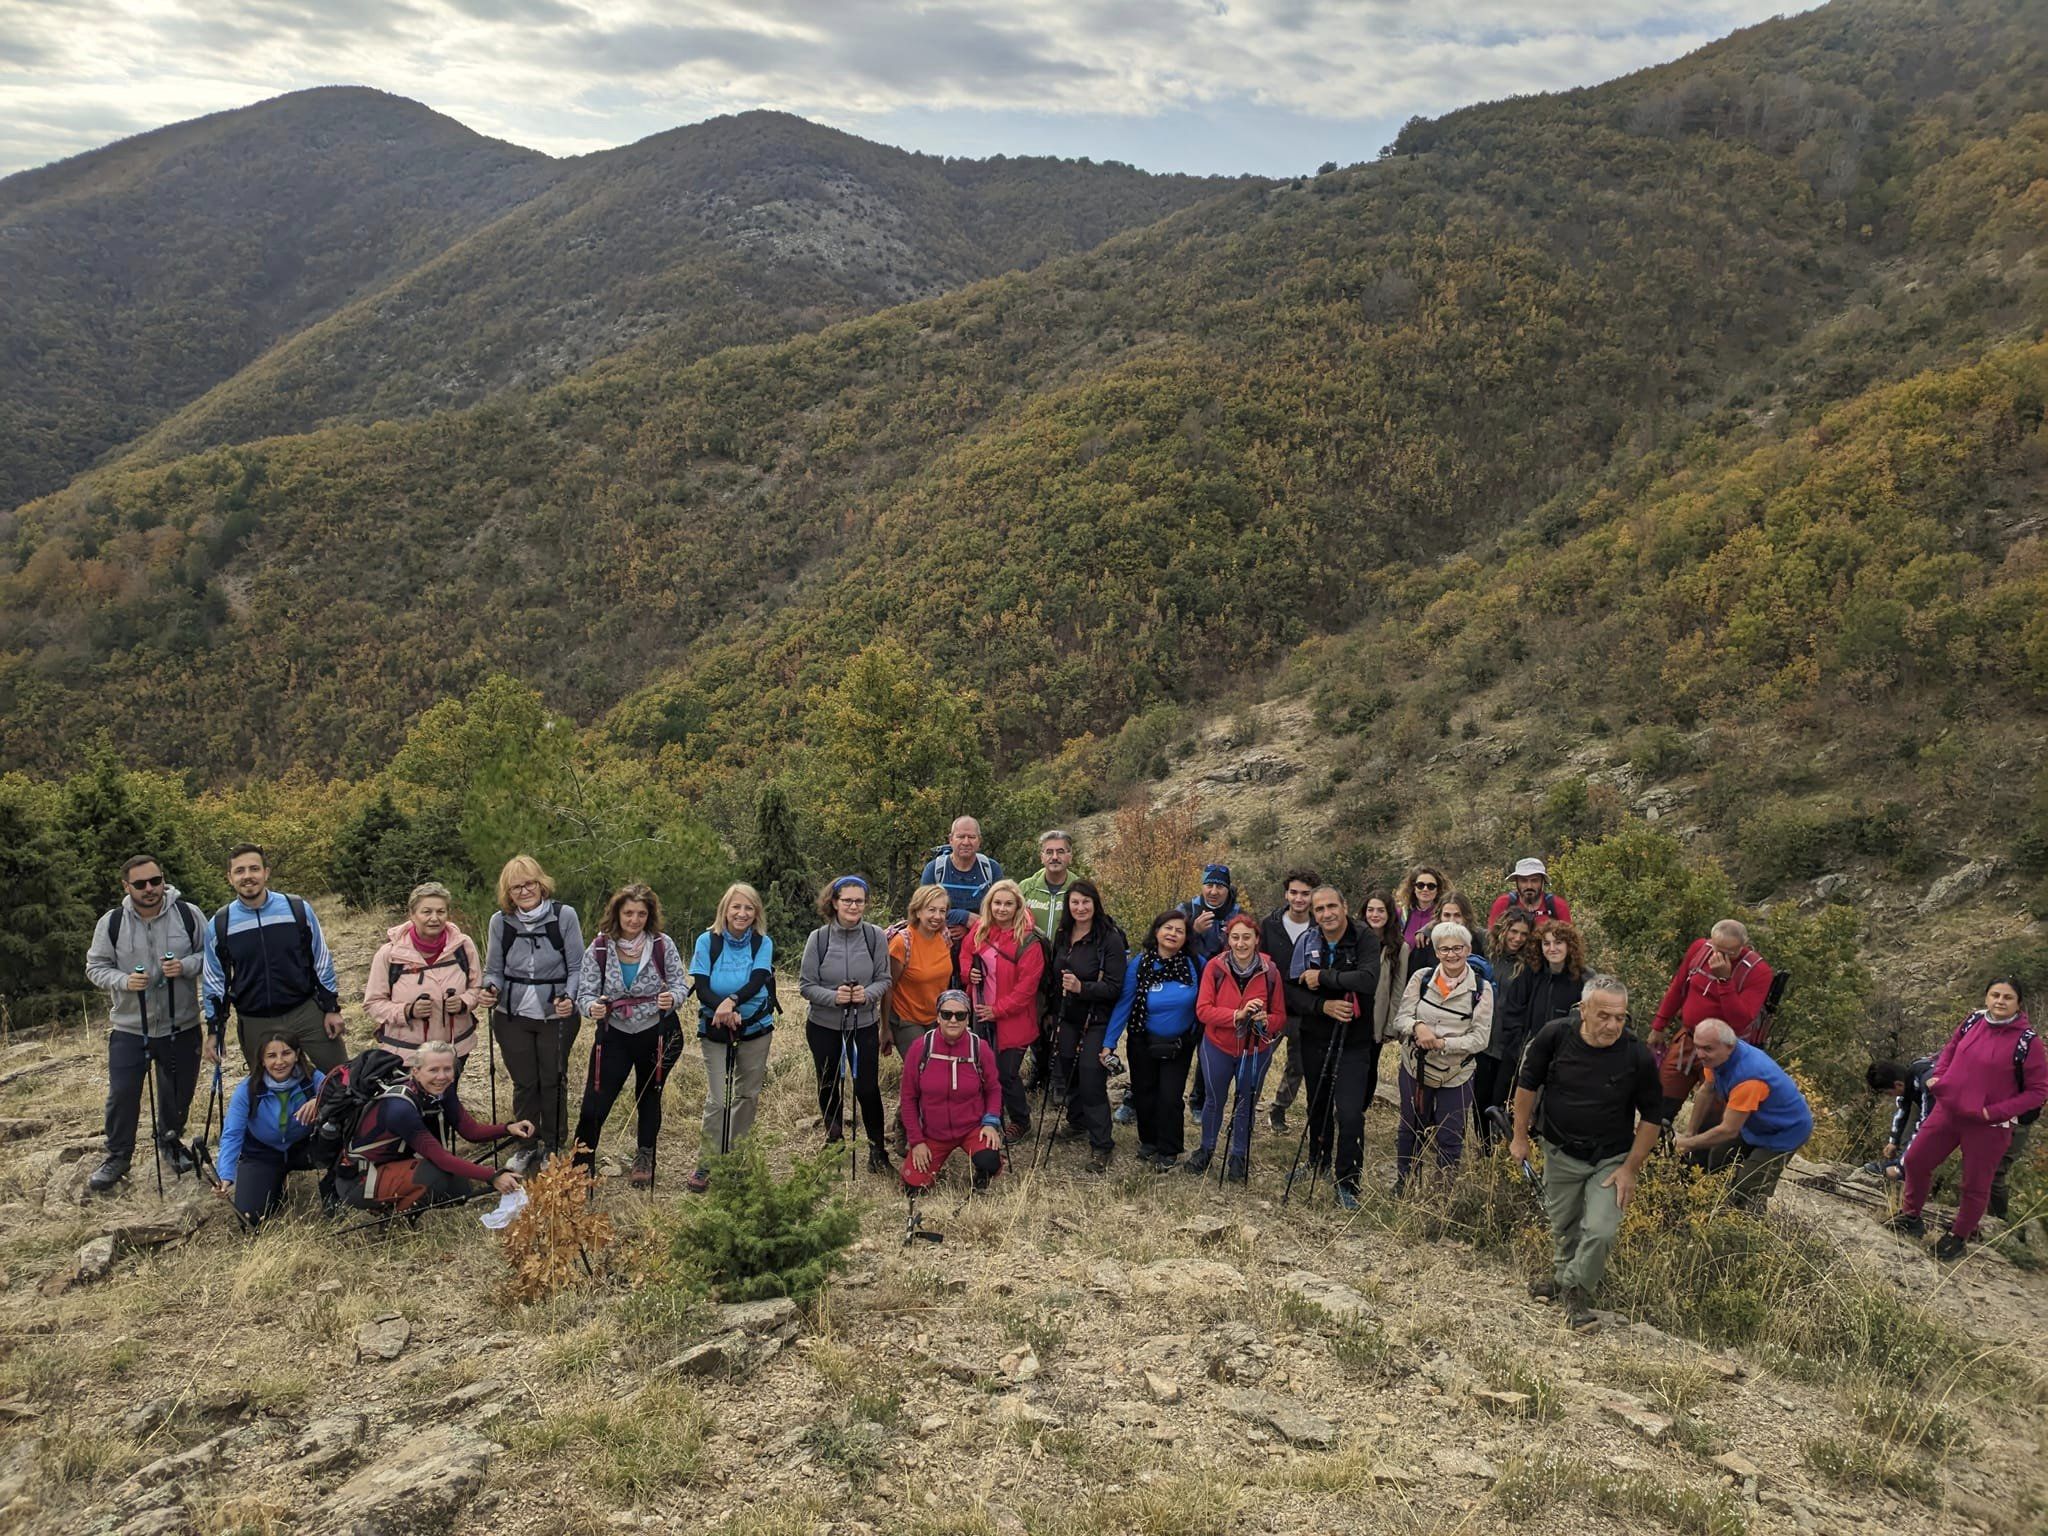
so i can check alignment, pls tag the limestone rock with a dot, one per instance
(727, 1355)
(1205, 1231)
(1020, 1365)
(1289, 1420)
(1739, 1467)
(1512, 1403)
(330, 1441)
(383, 1338)
(1233, 1351)
(1631, 1413)
(137, 1234)
(1958, 885)
(770, 1316)
(1455, 1462)
(1019, 1410)
(92, 1262)
(948, 1365)
(1164, 1389)
(155, 1522)
(418, 1489)
(178, 1466)
(1334, 1297)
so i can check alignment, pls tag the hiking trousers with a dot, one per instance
(1157, 1083)
(177, 1079)
(1439, 1119)
(1079, 1063)
(1340, 1086)
(1584, 1215)
(260, 1176)
(1294, 1071)
(1982, 1147)
(536, 1053)
(1236, 1079)
(645, 1056)
(830, 1049)
(747, 1061)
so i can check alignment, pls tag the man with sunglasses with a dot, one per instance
(148, 955)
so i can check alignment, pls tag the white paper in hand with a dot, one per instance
(509, 1204)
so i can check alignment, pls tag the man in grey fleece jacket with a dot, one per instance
(148, 955)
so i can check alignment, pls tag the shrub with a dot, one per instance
(755, 1236)
(556, 1236)
(1150, 860)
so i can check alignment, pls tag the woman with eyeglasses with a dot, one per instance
(844, 977)
(1444, 1020)
(951, 1098)
(533, 959)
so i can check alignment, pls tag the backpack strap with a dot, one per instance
(305, 923)
(114, 928)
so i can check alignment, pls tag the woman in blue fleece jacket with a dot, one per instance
(265, 1133)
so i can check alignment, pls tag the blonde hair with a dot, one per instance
(1019, 926)
(521, 866)
(426, 890)
(926, 896)
(739, 890)
(433, 1048)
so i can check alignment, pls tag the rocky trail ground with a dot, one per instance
(1082, 1354)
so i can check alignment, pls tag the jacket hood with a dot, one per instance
(172, 895)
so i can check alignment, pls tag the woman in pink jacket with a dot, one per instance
(1989, 1077)
(951, 1099)
(423, 984)
(1242, 1007)
(1003, 959)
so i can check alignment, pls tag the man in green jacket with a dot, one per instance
(1045, 898)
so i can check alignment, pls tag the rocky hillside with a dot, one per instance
(1081, 1356)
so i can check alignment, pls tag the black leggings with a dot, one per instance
(827, 1054)
(1340, 1086)
(646, 1056)
(1010, 1076)
(260, 1176)
(1157, 1083)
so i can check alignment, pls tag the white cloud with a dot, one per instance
(572, 75)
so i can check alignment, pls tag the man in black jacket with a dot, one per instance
(1600, 1122)
(1907, 1083)
(1329, 1007)
(1278, 935)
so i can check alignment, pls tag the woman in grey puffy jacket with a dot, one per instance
(843, 977)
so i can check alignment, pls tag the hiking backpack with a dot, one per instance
(975, 1048)
(299, 916)
(397, 968)
(345, 1094)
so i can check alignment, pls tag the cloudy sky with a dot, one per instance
(1268, 86)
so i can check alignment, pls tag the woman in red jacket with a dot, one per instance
(1003, 960)
(1242, 1007)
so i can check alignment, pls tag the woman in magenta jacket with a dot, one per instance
(1242, 1007)
(1989, 1075)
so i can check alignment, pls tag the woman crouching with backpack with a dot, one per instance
(733, 970)
(399, 1157)
(952, 1098)
(631, 982)
(265, 1131)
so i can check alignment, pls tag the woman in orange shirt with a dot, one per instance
(921, 961)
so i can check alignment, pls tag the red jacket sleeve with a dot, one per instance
(909, 1097)
(1674, 995)
(1210, 1009)
(472, 1128)
(1276, 1008)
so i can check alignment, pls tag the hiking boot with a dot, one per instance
(878, 1160)
(1197, 1162)
(1951, 1246)
(527, 1161)
(1276, 1117)
(107, 1175)
(1125, 1115)
(1347, 1200)
(1098, 1160)
(1578, 1314)
(1905, 1225)
(1234, 1170)
(698, 1182)
(177, 1155)
(1545, 1289)
(642, 1174)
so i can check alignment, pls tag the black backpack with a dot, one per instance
(345, 1093)
(187, 914)
(753, 954)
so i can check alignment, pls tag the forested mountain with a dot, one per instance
(1126, 476)
(135, 277)
(340, 254)
(737, 231)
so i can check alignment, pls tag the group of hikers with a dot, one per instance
(1008, 1004)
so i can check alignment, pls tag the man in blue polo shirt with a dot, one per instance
(1766, 1119)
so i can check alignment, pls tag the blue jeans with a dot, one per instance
(1220, 1071)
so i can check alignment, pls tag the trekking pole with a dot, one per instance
(732, 1055)
(843, 1085)
(491, 1059)
(1331, 1063)
(201, 1148)
(1047, 1137)
(149, 1079)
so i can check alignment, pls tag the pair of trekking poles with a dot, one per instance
(197, 1149)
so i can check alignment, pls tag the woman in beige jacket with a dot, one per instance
(1444, 1020)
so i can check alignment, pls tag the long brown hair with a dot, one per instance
(1574, 946)
(608, 925)
(1405, 900)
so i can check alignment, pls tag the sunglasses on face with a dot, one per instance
(1425, 885)
(147, 882)
(952, 1013)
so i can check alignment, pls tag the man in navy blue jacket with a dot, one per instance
(269, 961)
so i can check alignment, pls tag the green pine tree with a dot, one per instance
(106, 825)
(45, 920)
(781, 873)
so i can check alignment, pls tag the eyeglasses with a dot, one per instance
(951, 1013)
(146, 883)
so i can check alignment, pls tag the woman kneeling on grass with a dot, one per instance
(401, 1143)
(264, 1134)
(951, 1098)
